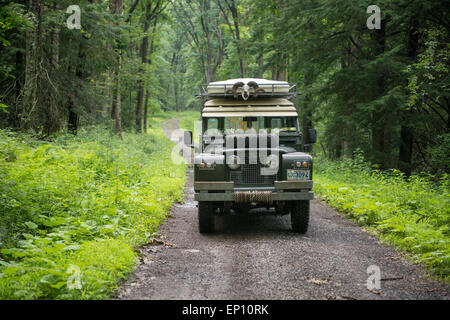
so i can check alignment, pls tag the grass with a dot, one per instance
(73, 209)
(412, 214)
(187, 118)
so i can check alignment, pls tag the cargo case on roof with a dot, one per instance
(265, 107)
(267, 88)
(267, 85)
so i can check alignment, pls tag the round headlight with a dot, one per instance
(233, 162)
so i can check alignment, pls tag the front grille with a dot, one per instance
(250, 174)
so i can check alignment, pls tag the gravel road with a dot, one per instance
(257, 256)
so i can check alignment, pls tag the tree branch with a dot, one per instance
(133, 7)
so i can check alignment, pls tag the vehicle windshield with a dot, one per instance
(236, 125)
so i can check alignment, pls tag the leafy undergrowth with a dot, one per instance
(73, 209)
(413, 214)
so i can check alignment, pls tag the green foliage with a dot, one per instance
(440, 154)
(85, 201)
(382, 92)
(11, 17)
(429, 76)
(3, 107)
(412, 213)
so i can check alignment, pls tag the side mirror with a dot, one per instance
(312, 135)
(188, 138)
(307, 147)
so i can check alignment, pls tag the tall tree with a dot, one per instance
(116, 8)
(33, 67)
(234, 27)
(201, 21)
(153, 8)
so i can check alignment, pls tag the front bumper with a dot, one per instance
(281, 191)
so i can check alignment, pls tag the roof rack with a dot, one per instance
(222, 91)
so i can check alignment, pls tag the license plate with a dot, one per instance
(297, 174)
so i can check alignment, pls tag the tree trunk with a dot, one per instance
(236, 32)
(405, 152)
(143, 54)
(30, 88)
(74, 117)
(146, 110)
(260, 64)
(117, 106)
(281, 60)
(378, 126)
(116, 7)
(281, 69)
(377, 137)
(240, 49)
(177, 105)
(140, 97)
(55, 42)
(306, 110)
(406, 133)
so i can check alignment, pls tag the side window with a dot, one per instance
(276, 123)
(233, 125)
(212, 123)
(212, 126)
(282, 124)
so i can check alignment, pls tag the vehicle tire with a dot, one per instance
(300, 216)
(205, 217)
(244, 208)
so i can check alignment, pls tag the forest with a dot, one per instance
(86, 84)
(383, 91)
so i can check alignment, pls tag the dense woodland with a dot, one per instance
(87, 174)
(383, 92)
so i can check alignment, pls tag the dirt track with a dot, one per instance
(257, 256)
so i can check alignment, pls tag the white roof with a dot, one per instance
(247, 80)
(269, 86)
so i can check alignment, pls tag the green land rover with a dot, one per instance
(250, 153)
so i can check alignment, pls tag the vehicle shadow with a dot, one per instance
(255, 221)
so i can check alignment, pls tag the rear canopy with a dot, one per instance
(269, 107)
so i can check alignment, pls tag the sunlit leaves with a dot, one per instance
(82, 200)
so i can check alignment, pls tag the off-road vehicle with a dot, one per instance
(250, 152)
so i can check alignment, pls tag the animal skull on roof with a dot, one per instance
(246, 89)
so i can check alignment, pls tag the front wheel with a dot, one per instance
(205, 217)
(300, 216)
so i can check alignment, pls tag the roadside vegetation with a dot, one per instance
(187, 118)
(412, 213)
(82, 194)
(73, 209)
